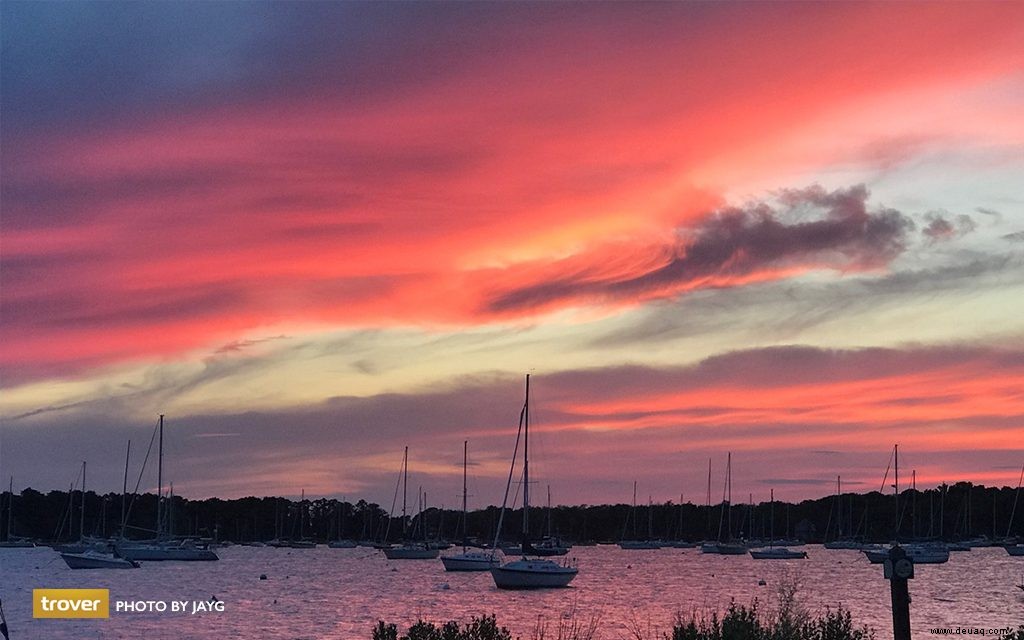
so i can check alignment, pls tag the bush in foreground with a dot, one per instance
(738, 623)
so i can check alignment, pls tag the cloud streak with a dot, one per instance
(739, 245)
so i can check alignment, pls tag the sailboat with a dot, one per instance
(924, 553)
(163, 548)
(92, 553)
(339, 542)
(773, 553)
(408, 550)
(468, 560)
(635, 544)
(841, 542)
(727, 547)
(527, 573)
(11, 542)
(302, 542)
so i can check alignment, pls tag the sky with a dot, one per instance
(312, 234)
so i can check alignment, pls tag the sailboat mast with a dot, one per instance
(124, 487)
(465, 463)
(707, 526)
(526, 463)
(405, 485)
(839, 506)
(10, 507)
(771, 524)
(728, 502)
(160, 480)
(549, 510)
(81, 515)
(896, 487)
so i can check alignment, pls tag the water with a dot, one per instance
(341, 593)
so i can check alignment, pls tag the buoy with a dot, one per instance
(761, 583)
(263, 576)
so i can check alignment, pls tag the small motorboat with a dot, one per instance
(777, 553)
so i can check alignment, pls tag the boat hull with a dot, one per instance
(639, 544)
(405, 553)
(532, 574)
(166, 554)
(917, 555)
(342, 544)
(777, 554)
(724, 549)
(96, 561)
(469, 562)
(1017, 550)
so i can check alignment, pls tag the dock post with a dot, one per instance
(897, 570)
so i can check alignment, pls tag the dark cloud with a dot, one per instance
(786, 309)
(813, 228)
(1017, 236)
(942, 226)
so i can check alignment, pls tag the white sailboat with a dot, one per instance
(408, 550)
(923, 553)
(163, 548)
(636, 544)
(527, 573)
(726, 547)
(773, 553)
(468, 560)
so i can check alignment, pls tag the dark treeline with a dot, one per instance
(951, 512)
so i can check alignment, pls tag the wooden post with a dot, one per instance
(898, 569)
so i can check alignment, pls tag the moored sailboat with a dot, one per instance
(468, 560)
(527, 573)
(773, 552)
(408, 549)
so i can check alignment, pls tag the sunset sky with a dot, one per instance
(314, 233)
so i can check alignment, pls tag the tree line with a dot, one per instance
(951, 512)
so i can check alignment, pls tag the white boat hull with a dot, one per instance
(411, 553)
(777, 554)
(918, 555)
(724, 549)
(469, 562)
(532, 574)
(89, 560)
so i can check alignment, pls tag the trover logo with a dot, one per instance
(70, 603)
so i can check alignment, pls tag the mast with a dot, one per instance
(771, 524)
(913, 508)
(549, 510)
(633, 510)
(728, 502)
(896, 488)
(465, 463)
(707, 526)
(302, 515)
(81, 515)
(160, 480)
(839, 507)
(10, 506)
(526, 466)
(405, 486)
(124, 488)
